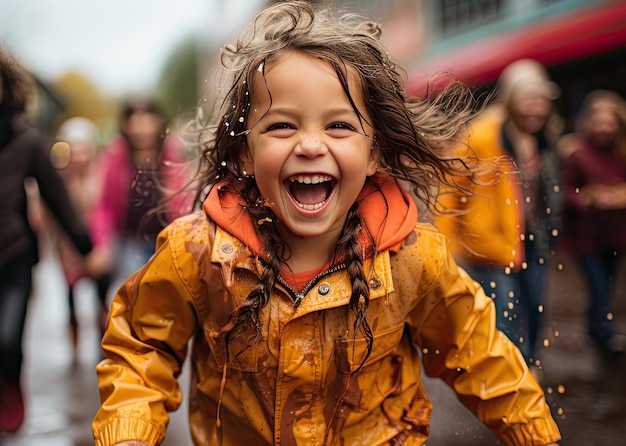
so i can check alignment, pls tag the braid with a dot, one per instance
(247, 313)
(360, 298)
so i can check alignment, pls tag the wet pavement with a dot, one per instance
(587, 397)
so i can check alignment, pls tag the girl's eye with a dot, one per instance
(279, 126)
(340, 126)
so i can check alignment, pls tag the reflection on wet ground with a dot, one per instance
(587, 398)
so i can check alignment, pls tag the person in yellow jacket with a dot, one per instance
(310, 292)
(503, 232)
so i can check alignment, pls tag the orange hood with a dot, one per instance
(389, 213)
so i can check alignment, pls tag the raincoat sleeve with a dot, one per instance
(461, 345)
(152, 318)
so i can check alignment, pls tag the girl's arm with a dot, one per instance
(454, 324)
(152, 319)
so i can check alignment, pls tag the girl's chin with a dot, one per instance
(309, 227)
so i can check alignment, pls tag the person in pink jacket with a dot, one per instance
(141, 172)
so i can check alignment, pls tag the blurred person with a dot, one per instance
(24, 154)
(503, 233)
(140, 169)
(594, 219)
(74, 155)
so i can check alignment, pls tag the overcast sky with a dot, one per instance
(119, 44)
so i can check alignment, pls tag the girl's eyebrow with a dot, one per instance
(281, 110)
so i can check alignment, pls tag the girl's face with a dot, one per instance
(308, 149)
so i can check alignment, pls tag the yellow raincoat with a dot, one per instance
(301, 384)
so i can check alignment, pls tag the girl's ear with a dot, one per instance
(374, 161)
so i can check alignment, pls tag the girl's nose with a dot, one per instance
(311, 146)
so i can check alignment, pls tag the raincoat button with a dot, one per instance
(375, 283)
(323, 289)
(227, 248)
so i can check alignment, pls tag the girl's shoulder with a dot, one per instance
(193, 226)
(426, 241)
(424, 256)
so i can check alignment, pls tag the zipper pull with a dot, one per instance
(298, 300)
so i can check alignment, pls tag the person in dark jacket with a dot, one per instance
(594, 183)
(24, 154)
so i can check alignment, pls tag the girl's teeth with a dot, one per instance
(311, 180)
(311, 207)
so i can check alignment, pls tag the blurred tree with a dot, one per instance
(83, 98)
(177, 87)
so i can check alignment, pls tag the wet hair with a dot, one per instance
(17, 84)
(412, 135)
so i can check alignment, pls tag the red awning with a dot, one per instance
(553, 41)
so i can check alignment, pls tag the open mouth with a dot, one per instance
(310, 192)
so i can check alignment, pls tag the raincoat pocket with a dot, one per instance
(384, 344)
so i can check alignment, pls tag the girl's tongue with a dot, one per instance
(310, 193)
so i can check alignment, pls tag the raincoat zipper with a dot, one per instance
(299, 296)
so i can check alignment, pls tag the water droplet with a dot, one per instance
(560, 389)
(492, 284)
(241, 119)
(540, 308)
(609, 316)
(524, 265)
(546, 343)
(510, 305)
(559, 267)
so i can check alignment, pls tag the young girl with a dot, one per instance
(310, 290)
